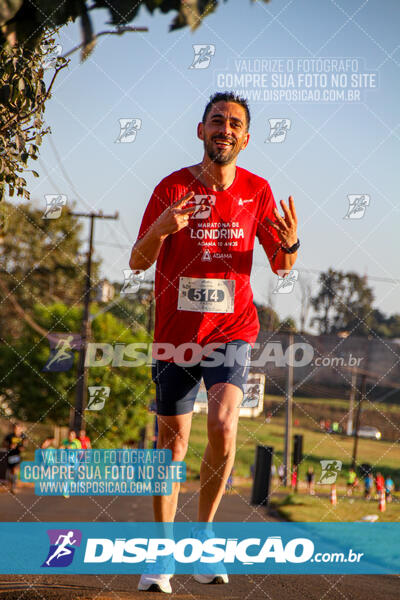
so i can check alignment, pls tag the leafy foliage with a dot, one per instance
(23, 94)
(344, 303)
(22, 21)
(49, 396)
(41, 261)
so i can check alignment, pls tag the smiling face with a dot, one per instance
(224, 132)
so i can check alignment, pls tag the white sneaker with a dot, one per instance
(149, 582)
(222, 577)
(202, 578)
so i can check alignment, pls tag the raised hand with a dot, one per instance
(286, 226)
(176, 217)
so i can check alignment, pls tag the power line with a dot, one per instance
(70, 183)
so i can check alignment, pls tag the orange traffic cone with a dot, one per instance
(333, 495)
(382, 501)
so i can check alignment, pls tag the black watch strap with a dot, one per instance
(292, 249)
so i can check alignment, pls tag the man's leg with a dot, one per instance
(173, 433)
(224, 401)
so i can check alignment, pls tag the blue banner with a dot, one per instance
(184, 548)
(110, 472)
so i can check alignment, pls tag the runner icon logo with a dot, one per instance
(51, 55)
(207, 200)
(62, 346)
(278, 130)
(284, 284)
(330, 471)
(54, 205)
(202, 55)
(62, 547)
(128, 130)
(357, 205)
(98, 395)
(132, 281)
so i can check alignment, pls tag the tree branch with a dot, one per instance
(119, 31)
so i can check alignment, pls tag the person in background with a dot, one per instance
(229, 483)
(368, 482)
(281, 473)
(14, 442)
(293, 482)
(49, 444)
(389, 486)
(84, 440)
(310, 481)
(379, 483)
(352, 481)
(335, 427)
(72, 442)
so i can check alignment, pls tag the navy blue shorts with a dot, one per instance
(177, 385)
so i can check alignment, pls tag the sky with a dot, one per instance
(331, 150)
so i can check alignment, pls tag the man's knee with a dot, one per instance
(175, 442)
(222, 436)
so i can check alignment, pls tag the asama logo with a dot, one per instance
(208, 256)
(62, 547)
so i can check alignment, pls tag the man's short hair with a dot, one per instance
(227, 97)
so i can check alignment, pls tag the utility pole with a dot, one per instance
(353, 390)
(289, 411)
(358, 415)
(149, 325)
(77, 414)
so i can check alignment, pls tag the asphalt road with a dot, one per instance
(25, 506)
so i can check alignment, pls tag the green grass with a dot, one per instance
(316, 509)
(384, 456)
(334, 402)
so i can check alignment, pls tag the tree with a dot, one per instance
(343, 303)
(49, 396)
(23, 94)
(136, 310)
(23, 20)
(288, 325)
(385, 326)
(269, 320)
(40, 262)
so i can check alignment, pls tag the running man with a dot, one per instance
(62, 351)
(62, 549)
(200, 226)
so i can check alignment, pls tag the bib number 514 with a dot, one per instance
(206, 295)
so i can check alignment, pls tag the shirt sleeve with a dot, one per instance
(157, 204)
(266, 234)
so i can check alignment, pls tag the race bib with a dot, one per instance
(206, 295)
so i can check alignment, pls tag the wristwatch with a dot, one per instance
(292, 249)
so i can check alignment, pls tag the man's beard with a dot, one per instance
(219, 155)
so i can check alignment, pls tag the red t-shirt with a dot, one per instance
(217, 245)
(85, 442)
